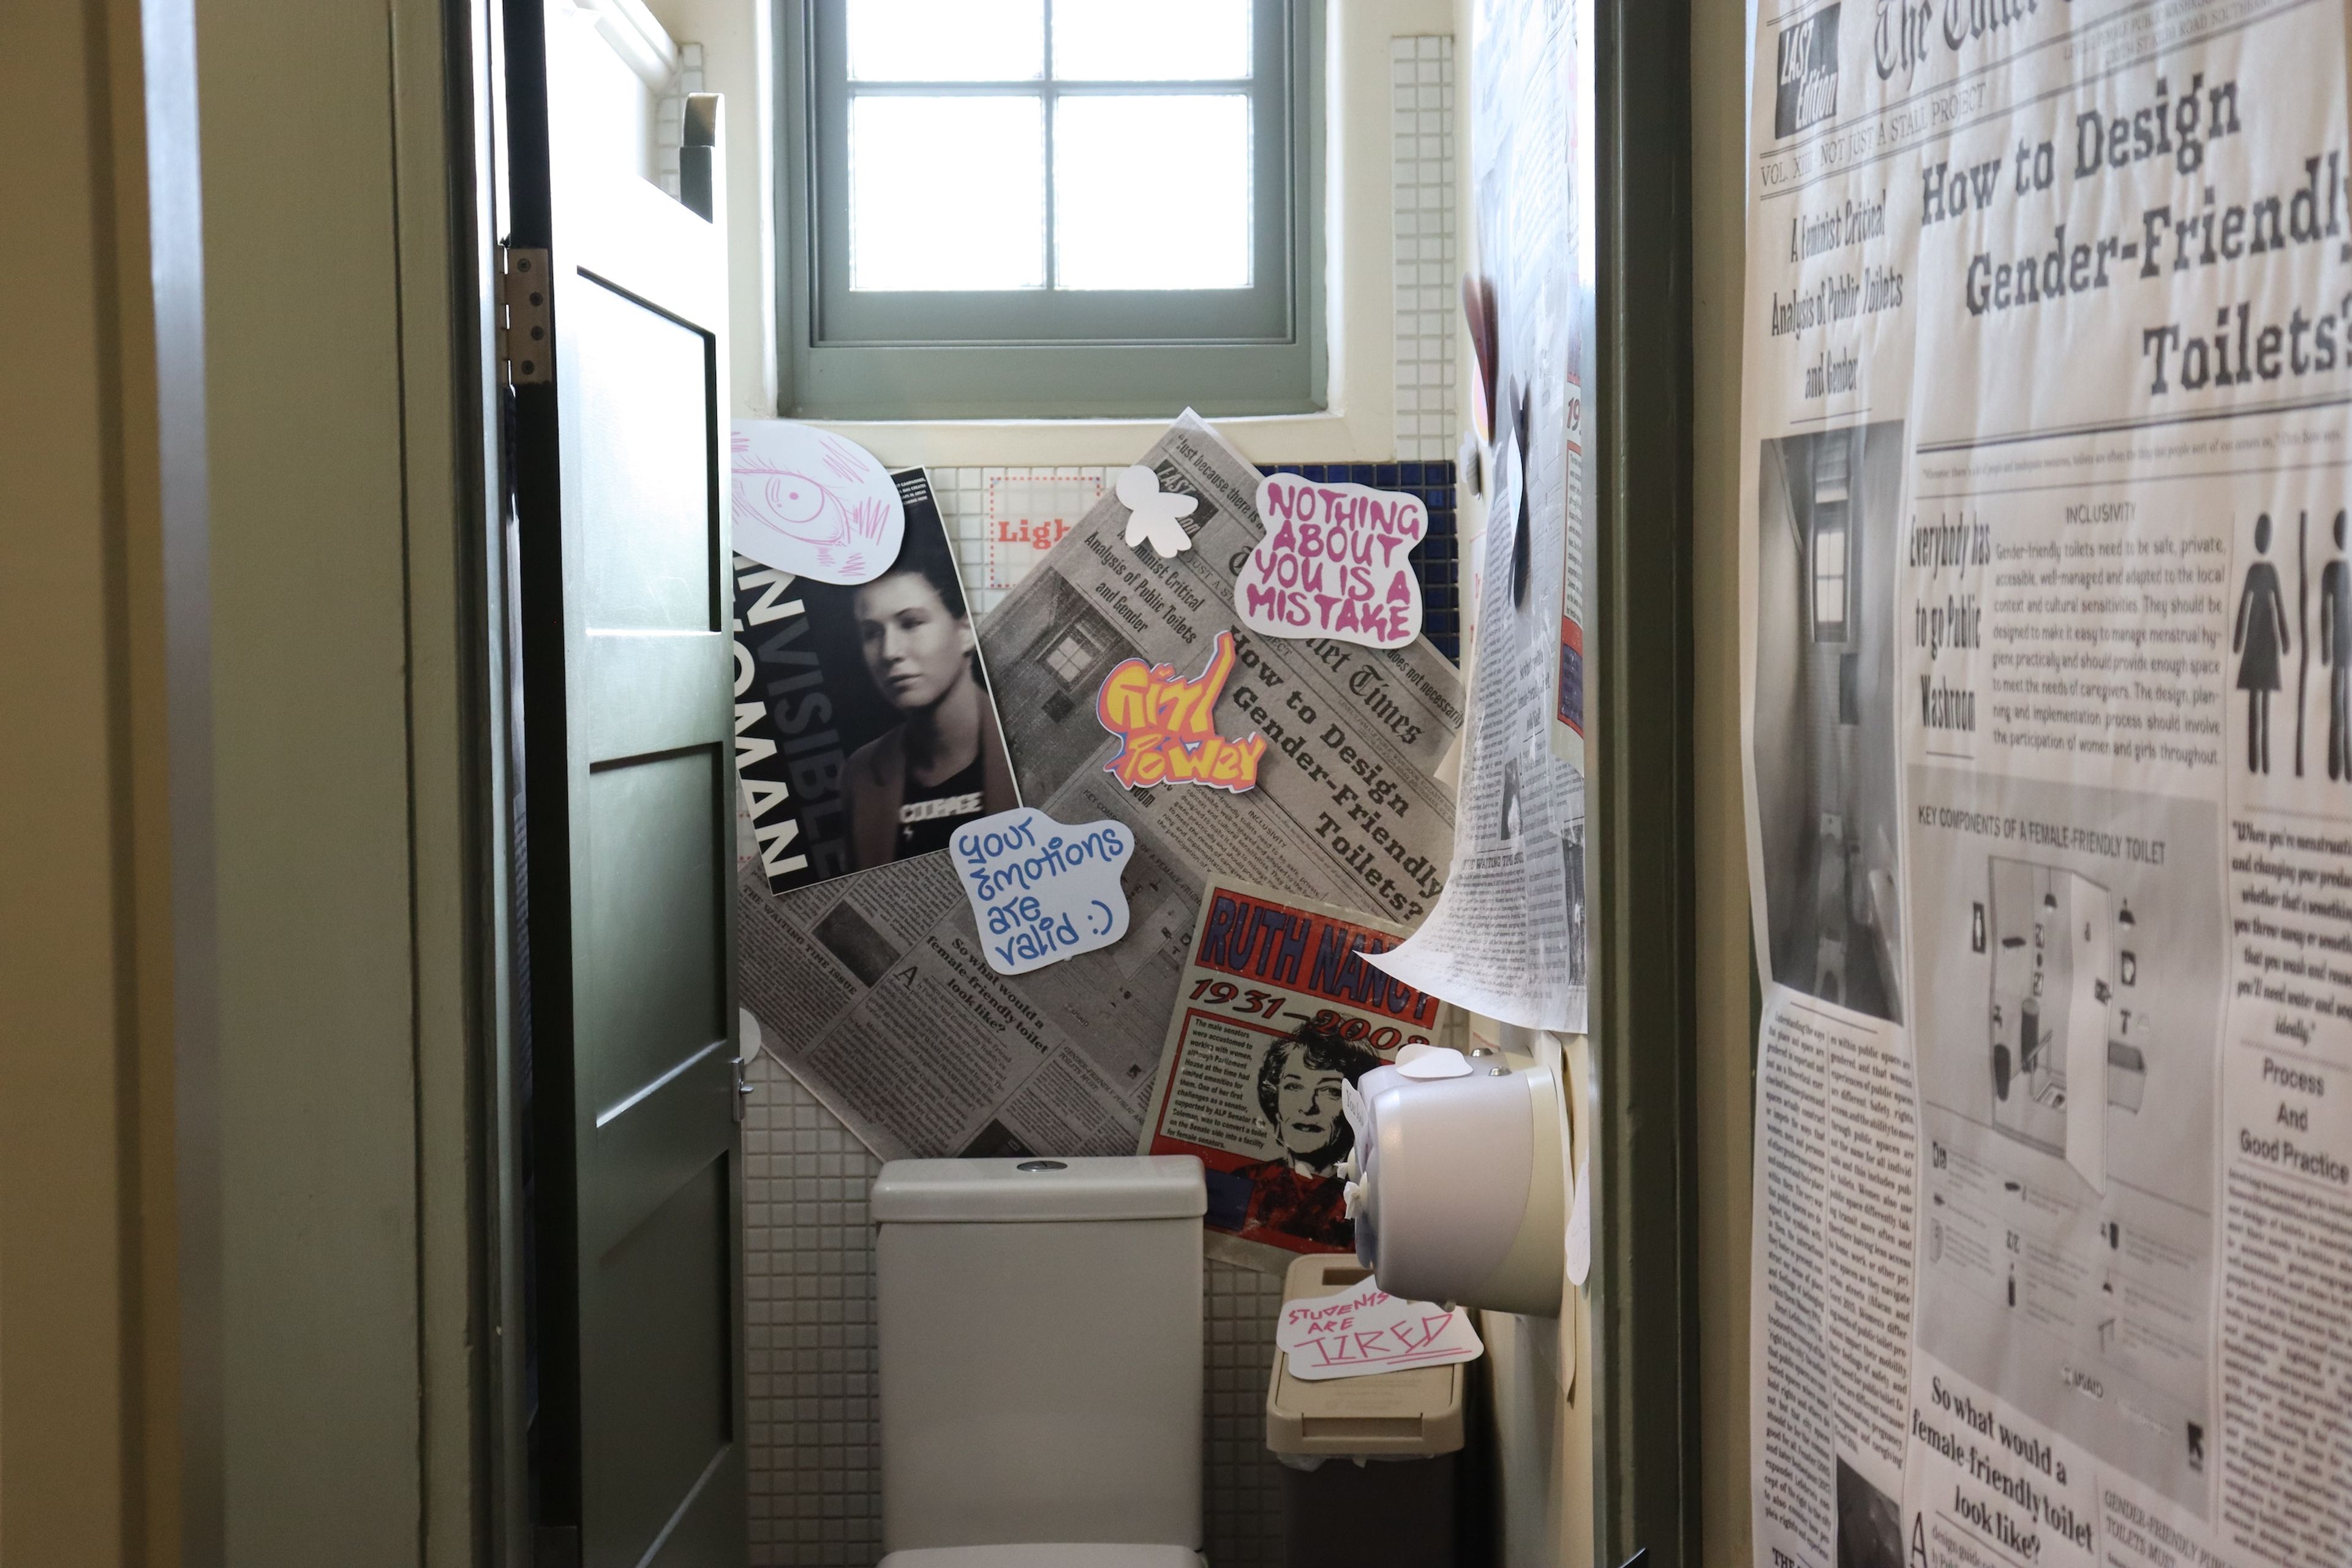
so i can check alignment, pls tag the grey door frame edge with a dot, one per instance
(1644, 1017)
(489, 676)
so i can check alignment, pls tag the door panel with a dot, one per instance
(620, 495)
(646, 519)
(660, 1418)
(642, 1159)
(653, 695)
(653, 993)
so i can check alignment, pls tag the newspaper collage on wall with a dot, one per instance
(2047, 681)
(1233, 716)
(875, 988)
(1508, 939)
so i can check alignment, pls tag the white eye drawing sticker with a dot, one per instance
(814, 504)
(1152, 516)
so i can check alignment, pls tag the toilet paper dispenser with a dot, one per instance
(1456, 1183)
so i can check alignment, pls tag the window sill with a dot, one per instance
(1326, 437)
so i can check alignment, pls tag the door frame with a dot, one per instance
(1646, 1304)
(482, 209)
(326, 1344)
(466, 762)
(465, 720)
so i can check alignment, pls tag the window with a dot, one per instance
(1075, 654)
(1832, 464)
(994, 205)
(1829, 575)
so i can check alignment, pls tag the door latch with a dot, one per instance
(526, 318)
(742, 1085)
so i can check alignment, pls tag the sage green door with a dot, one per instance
(621, 490)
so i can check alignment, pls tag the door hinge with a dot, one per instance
(526, 318)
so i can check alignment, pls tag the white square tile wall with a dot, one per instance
(1241, 1479)
(808, 1286)
(1427, 259)
(1030, 500)
(814, 1458)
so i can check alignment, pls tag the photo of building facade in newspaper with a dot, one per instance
(1276, 1013)
(864, 729)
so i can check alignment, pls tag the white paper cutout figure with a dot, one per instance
(1041, 891)
(1154, 516)
(814, 504)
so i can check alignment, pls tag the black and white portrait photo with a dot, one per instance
(866, 730)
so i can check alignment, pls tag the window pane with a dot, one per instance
(947, 193)
(1115, 161)
(1151, 40)
(946, 41)
(1829, 553)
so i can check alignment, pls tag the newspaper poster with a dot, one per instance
(1509, 941)
(2047, 682)
(874, 989)
(864, 729)
(1276, 1013)
(1572, 675)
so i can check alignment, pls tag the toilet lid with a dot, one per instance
(1062, 1556)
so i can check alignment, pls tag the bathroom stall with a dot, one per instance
(750, 1101)
(643, 487)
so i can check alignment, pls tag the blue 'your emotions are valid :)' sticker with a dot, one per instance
(1043, 892)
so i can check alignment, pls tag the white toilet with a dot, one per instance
(1040, 1340)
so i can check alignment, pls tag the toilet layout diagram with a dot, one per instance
(2064, 1014)
(2066, 1185)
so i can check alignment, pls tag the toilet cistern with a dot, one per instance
(1039, 1329)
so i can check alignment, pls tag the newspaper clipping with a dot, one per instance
(2047, 669)
(1276, 1015)
(1510, 939)
(875, 990)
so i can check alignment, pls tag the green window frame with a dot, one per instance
(1052, 353)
